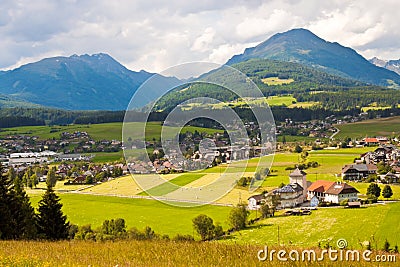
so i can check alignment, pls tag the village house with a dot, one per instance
(389, 178)
(332, 192)
(255, 201)
(371, 141)
(356, 172)
(295, 192)
(291, 195)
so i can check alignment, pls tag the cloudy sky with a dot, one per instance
(154, 34)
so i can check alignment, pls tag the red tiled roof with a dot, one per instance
(320, 185)
(332, 188)
(371, 140)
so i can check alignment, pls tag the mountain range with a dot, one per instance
(86, 82)
(303, 46)
(99, 82)
(393, 65)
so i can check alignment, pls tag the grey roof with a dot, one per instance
(290, 188)
(359, 167)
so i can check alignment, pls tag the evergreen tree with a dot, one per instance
(51, 179)
(23, 213)
(6, 227)
(51, 222)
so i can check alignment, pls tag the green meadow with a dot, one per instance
(373, 223)
(173, 184)
(370, 128)
(108, 131)
(84, 209)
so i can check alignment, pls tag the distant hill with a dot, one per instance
(304, 79)
(86, 82)
(302, 46)
(11, 102)
(393, 65)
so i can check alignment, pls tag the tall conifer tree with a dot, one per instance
(51, 222)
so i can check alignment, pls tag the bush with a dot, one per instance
(204, 226)
(298, 149)
(372, 199)
(184, 238)
(344, 202)
(134, 233)
(371, 178)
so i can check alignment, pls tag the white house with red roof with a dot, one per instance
(334, 192)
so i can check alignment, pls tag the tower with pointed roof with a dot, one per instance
(298, 176)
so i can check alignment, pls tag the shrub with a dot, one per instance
(344, 202)
(184, 238)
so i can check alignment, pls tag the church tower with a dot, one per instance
(298, 176)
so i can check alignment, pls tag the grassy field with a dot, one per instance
(173, 184)
(84, 209)
(280, 100)
(108, 131)
(276, 81)
(354, 225)
(298, 139)
(376, 127)
(147, 253)
(103, 157)
(304, 104)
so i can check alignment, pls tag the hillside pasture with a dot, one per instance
(84, 209)
(276, 81)
(103, 131)
(369, 128)
(327, 225)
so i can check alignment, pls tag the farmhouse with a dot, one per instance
(389, 178)
(291, 195)
(356, 172)
(255, 201)
(334, 192)
(371, 141)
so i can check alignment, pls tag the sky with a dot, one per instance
(154, 35)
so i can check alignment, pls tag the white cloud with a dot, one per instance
(154, 35)
(222, 53)
(203, 42)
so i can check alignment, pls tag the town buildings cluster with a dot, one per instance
(381, 164)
